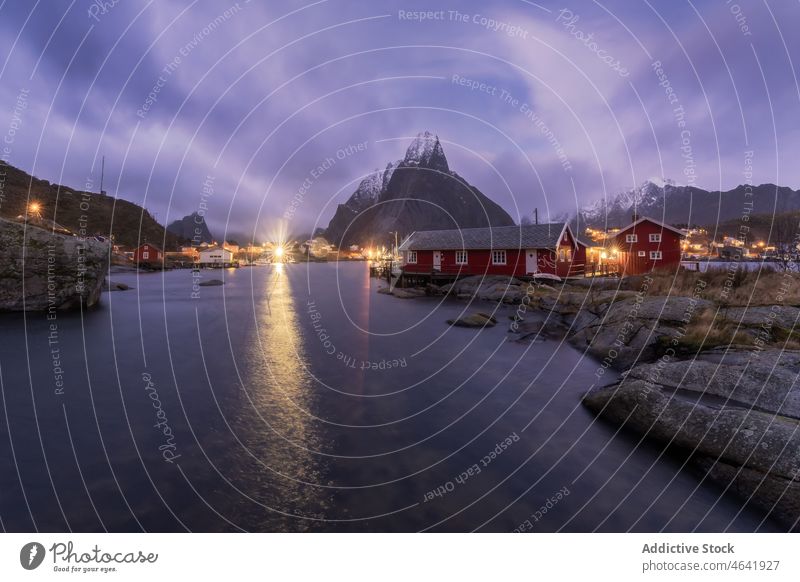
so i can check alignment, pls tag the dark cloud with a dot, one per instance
(258, 94)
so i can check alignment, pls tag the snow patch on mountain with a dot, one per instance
(371, 187)
(644, 199)
(426, 151)
(661, 182)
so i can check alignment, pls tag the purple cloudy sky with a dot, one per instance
(262, 94)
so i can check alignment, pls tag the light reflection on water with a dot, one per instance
(284, 435)
(290, 432)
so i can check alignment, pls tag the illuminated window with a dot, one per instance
(498, 257)
(412, 256)
(655, 237)
(631, 238)
(461, 257)
(655, 255)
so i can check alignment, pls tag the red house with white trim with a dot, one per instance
(504, 250)
(647, 244)
(148, 254)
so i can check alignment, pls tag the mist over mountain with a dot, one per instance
(419, 192)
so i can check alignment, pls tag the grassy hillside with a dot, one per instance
(131, 224)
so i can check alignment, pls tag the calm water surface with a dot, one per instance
(297, 398)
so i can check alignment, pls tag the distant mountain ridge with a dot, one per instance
(192, 227)
(419, 192)
(674, 204)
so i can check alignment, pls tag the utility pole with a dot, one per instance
(102, 175)
(535, 216)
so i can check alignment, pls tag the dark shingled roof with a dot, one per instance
(535, 236)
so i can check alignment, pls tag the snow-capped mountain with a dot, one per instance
(643, 199)
(418, 192)
(371, 187)
(426, 151)
(687, 205)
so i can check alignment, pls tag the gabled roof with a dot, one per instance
(217, 248)
(536, 236)
(654, 221)
(149, 244)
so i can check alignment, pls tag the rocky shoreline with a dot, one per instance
(43, 271)
(734, 408)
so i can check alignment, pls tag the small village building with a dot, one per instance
(646, 245)
(317, 247)
(216, 257)
(148, 254)
(518, 251)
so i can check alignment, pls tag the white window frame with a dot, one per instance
(462, 257)
(655, 237)
(499, 257)
(656, 256)
(642, 254)
(145, 254)
(412, 257)
(631, 238)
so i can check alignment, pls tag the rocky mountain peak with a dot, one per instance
(426, 151)
(402, 199)
(192, 227)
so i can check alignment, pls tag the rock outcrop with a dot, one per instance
(211, 283)
(635, 327)
(474, 320)
(40, 270)
(490, 288)
(737, 417)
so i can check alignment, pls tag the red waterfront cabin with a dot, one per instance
(504, 250)
(647, 244)
(148, 254)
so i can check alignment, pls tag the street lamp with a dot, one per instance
(35, 210)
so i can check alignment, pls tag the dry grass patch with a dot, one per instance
(739, 288)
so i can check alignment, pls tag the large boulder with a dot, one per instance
(41, 270)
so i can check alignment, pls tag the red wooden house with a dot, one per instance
(505, 250)
(647, 244)
(148, 254)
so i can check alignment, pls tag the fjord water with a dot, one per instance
(297, 398)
